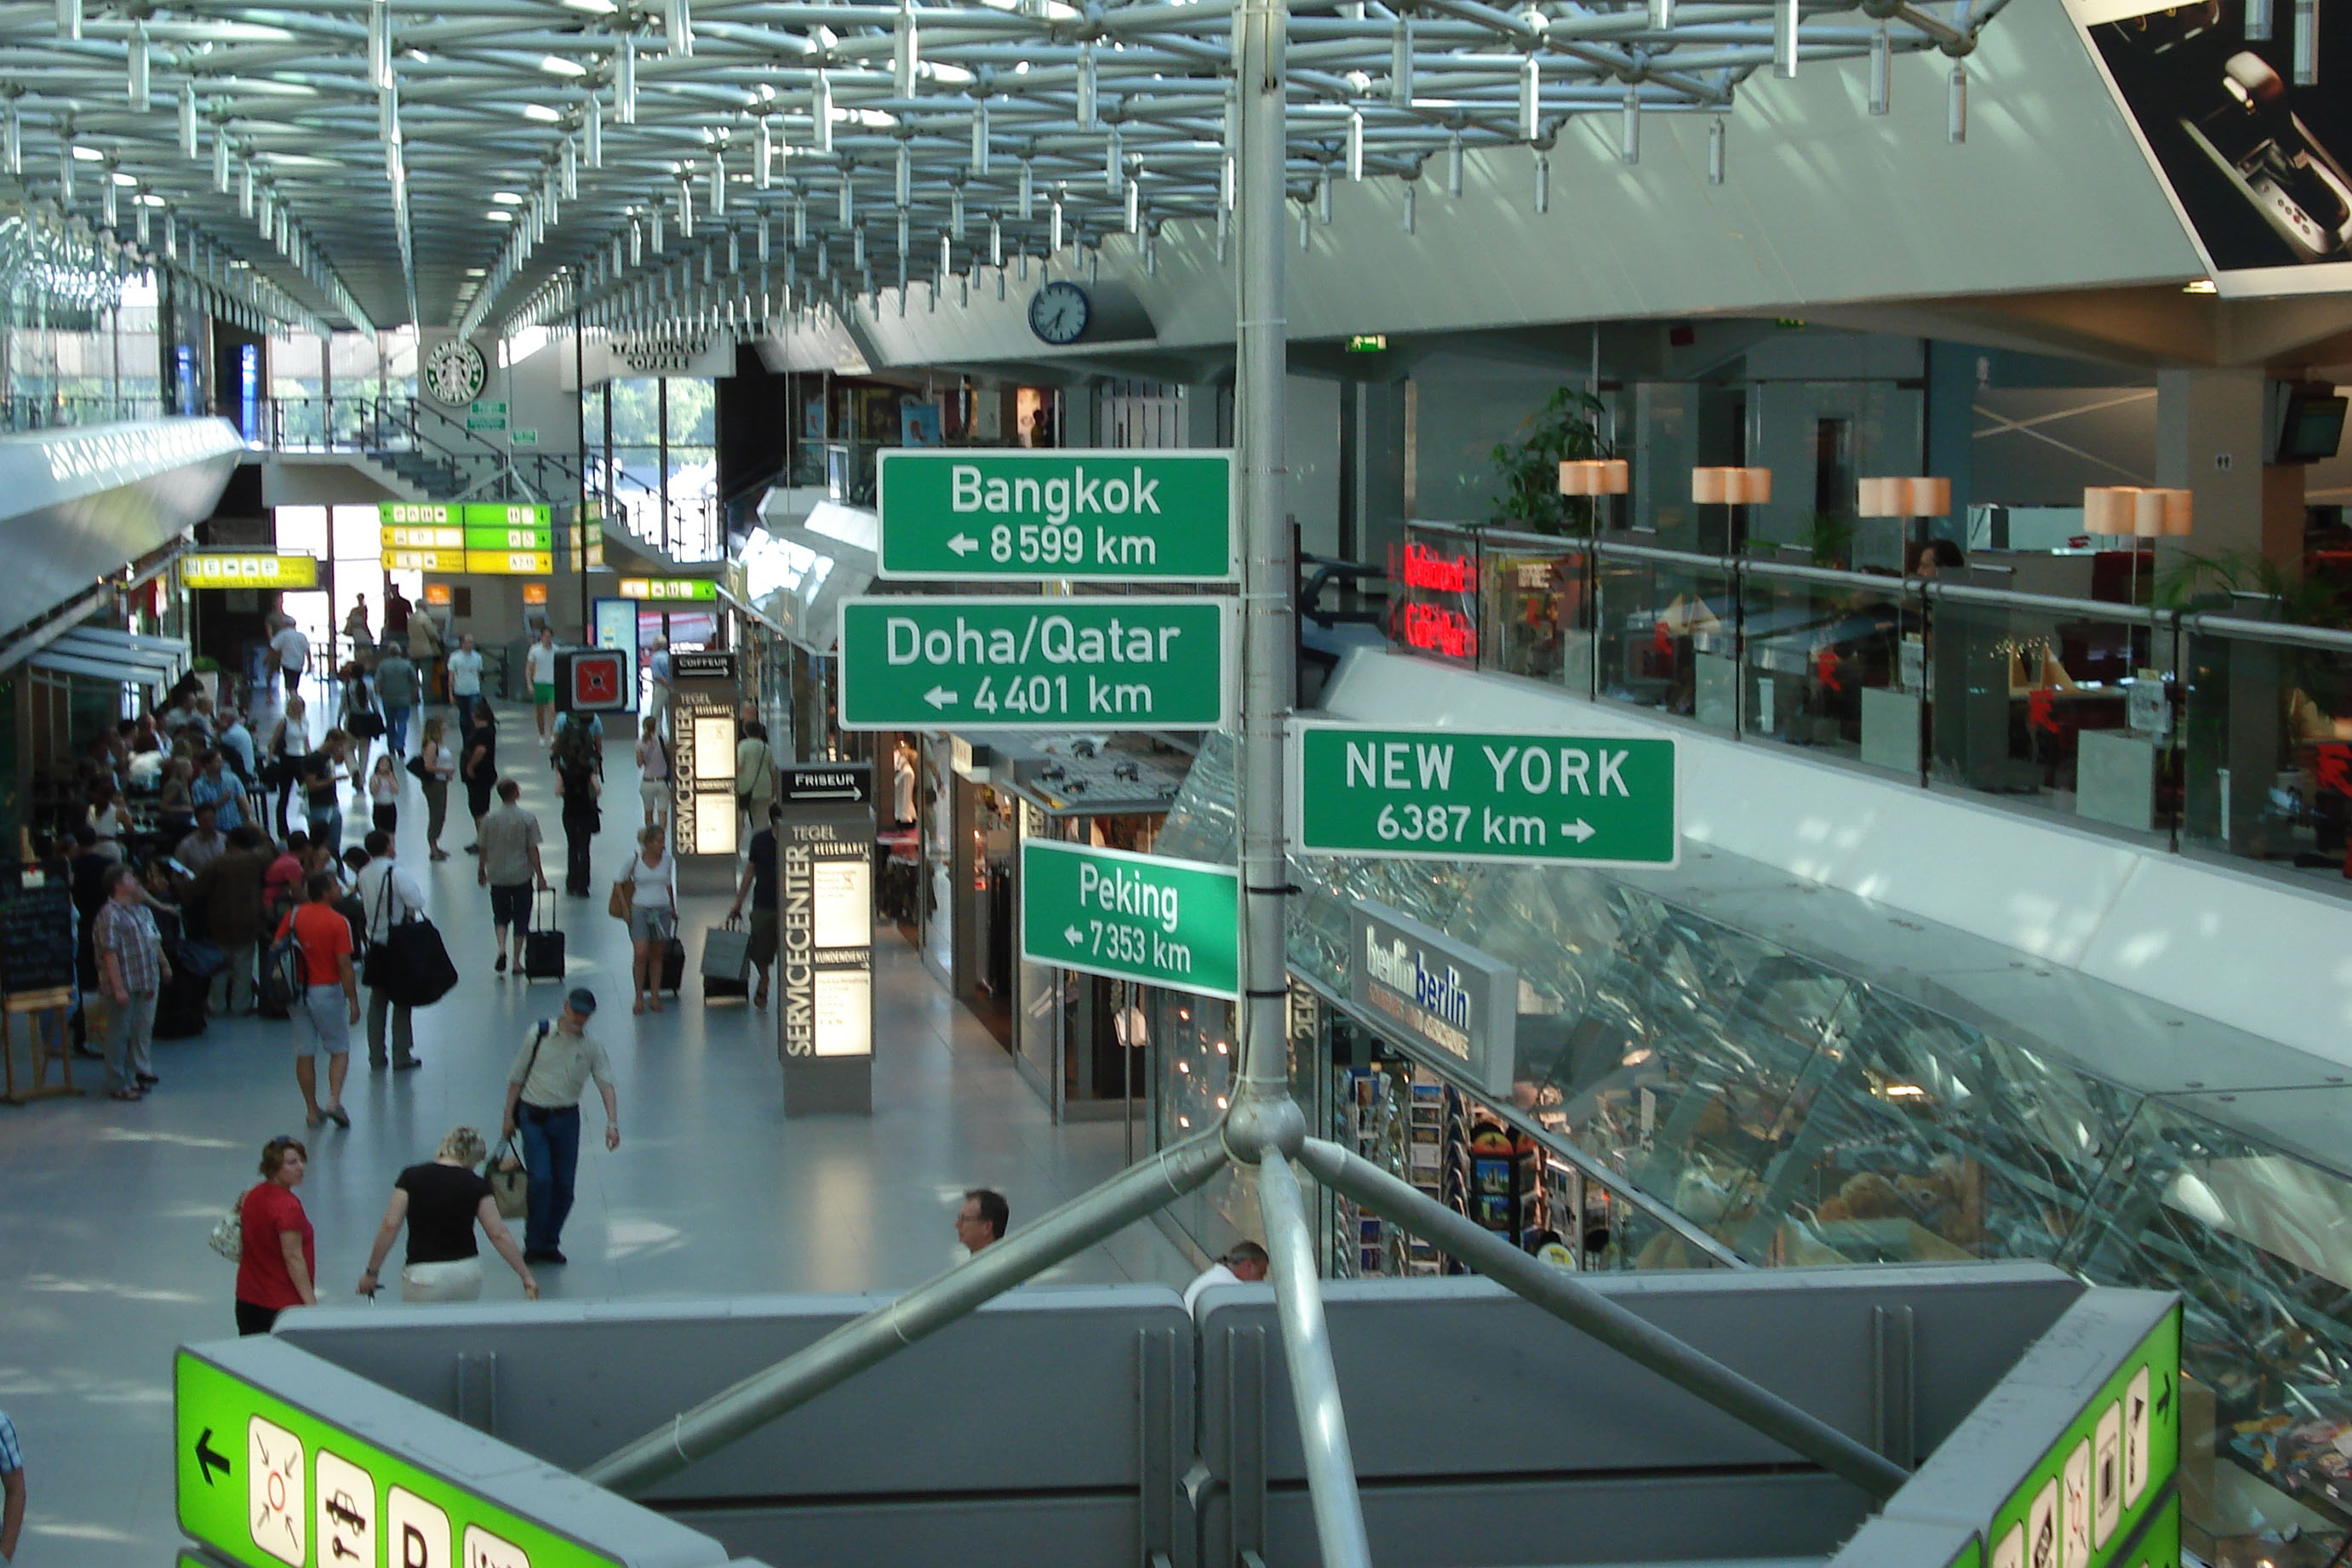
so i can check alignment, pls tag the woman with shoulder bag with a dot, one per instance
(441, 1201)
(649, 886)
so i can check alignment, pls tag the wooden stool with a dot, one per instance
(34, 1006)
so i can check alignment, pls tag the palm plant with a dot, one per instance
(1567, 427)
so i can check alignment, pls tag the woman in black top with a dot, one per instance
(441, 1203)
(480, 768)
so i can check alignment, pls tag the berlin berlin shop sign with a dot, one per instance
(1146, 661)
(1600, 800)
(1122, 516)
(1175, 923)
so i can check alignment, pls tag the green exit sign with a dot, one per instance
(1175, 923)
(1368, 343)
(1456, 794)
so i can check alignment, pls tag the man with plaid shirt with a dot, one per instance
(12, 1479)
(131, 971)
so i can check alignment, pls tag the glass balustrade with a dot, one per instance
(2223, 736)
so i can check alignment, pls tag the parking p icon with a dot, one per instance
(416, 1533)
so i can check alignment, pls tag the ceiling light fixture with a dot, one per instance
(542, 114)
(500, 214)
(505, 198)
(556, 65)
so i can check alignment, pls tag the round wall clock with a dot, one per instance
(454, 371)
(1059, 311)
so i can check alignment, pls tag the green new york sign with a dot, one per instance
(1456, 795)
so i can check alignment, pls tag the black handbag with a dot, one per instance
(410, 963)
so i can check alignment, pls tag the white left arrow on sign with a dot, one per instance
(963, 544)
(940, 697)
(1073, 935)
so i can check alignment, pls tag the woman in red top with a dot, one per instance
(278, 1263)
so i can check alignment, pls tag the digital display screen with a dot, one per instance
(2250, 137)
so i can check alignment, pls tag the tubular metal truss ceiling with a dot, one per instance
(501, 162)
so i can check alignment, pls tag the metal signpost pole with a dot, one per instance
(1266, 1126)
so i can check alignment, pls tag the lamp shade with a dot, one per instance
(1750, 487)
(1927, 496)
(1576, 478)
(1616, 476)
(2148, 514)
(2177, 513)
(1871, 498)
(2106, 510)
(1711, 487)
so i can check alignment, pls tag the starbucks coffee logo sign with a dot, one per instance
(454, 372)
(651, 356)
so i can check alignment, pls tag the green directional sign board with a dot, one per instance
(1122, 516)
(1132, 917)
(1456, 795)
(1034, 664)
(2107, 1473)
(268, 1484)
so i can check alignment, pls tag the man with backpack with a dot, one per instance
(316, 938)
(579, 781)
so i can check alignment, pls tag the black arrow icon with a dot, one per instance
(208, 1458)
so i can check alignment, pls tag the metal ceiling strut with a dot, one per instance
(487, 164)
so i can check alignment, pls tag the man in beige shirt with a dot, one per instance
(554, 1065)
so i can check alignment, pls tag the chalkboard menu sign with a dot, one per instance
(36, 931)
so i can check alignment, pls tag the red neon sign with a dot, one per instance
(1435, 630)
(1425, 568)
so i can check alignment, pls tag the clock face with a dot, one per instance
(454, 371)
(1059, 311)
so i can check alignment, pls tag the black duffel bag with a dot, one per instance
(410, 963)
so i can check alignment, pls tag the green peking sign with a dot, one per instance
(1034, 664)
(1131, 917)
(1457, 794)
(1116, 515)
(266, 1484)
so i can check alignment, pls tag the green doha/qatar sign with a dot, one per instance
(267, 1477)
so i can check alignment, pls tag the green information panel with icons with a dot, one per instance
(506, 514)
(2110, 1471)
(266, 1484)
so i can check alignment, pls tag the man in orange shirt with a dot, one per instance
(322, 940)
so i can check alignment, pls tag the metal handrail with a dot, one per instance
(2327, 637)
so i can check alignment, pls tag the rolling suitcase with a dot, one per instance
(542, 946)
(725, 962)
(672, 974)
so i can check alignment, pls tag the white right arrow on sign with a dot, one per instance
(1578, 830)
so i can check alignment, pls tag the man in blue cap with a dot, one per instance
(557, 1059)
